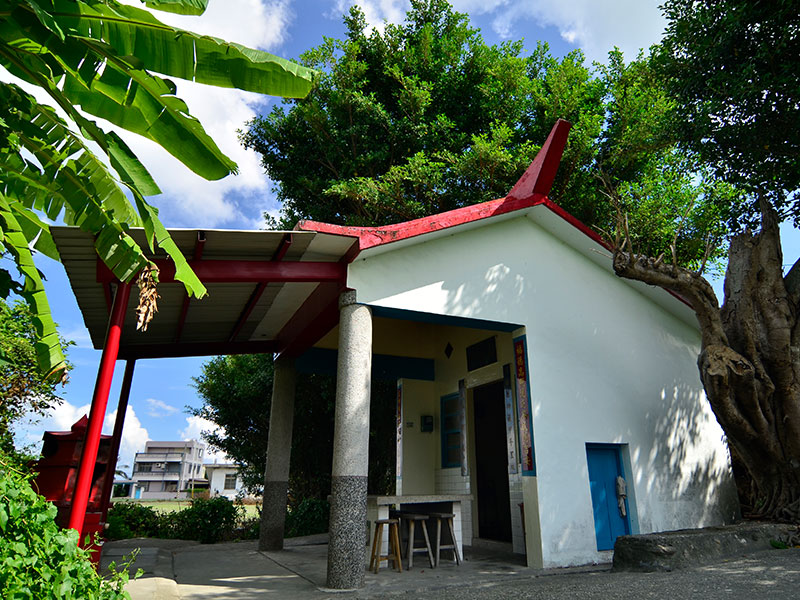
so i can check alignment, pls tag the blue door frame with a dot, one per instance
(605, 465)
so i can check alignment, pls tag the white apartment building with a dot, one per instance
(168, 470)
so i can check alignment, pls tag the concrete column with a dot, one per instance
(348, 535)
(279, 449)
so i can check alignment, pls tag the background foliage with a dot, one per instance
(210, 520)
(207, 520)
(730, 65)
(24, 388)
(237, 395)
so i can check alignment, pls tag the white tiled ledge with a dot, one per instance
(419, 499)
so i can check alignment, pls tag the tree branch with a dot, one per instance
(687, 284)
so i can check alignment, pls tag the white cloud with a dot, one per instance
(134, 437)
(254, 23)
(478, 7)
(187, 198)
(376, 12)
(79, 335)
(159, 408)
(195, 427)
(28, 432)
(65, 415)
(596, 27)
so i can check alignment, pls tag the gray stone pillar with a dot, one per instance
(279, 449)
(347, 546)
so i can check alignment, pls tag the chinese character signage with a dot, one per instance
(524, 407)
(511, 441)
(462, 418)
(399, 468)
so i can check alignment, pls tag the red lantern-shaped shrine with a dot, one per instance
(57, 472)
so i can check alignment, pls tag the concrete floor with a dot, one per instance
(179, 570)
(236, 571)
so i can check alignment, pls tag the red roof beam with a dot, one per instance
(316, 317)
(283, 247)
(141, 351)
(280, 252)
(246, 271)
(199, 244)
(248, 308)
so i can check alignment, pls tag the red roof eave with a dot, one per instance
(370, 237)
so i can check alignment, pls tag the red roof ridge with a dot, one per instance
(369, 237)
(530, 190)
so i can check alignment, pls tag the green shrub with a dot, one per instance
(206, 520)
(248, 529)
(308, 517)
(39, 560)
(130, 519)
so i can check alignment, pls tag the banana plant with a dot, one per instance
(112, 61)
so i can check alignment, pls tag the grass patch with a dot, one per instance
(168, 506)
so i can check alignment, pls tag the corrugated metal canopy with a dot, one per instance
(254, 314)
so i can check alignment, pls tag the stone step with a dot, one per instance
(670, 550)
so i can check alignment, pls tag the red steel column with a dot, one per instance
(105, 374)
(119, 423)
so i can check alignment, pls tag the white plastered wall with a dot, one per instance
(607, 364)
(419, 449)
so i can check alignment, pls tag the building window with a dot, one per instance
(144, 485)
(144, 468)
(230, 481)
(481, 354)
(170, 486)
(451, 432)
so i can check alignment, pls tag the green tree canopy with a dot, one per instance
(423, 118)
(112, 61)
(426, 117)
(732, 67)
(24, 388)
(237, 396)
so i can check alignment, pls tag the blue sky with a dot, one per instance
(162, 389)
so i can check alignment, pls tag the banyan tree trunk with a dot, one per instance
(749, 360)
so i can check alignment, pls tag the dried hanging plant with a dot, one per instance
(148, 297)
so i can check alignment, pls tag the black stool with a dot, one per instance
(411, 548)
(448, 518)
(394, 546)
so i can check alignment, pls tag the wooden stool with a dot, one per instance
(448, 517)
(394, 546)
(412, 518)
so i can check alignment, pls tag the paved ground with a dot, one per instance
(765, 574)
(179, 570)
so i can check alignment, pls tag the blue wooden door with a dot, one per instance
(605, 464)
